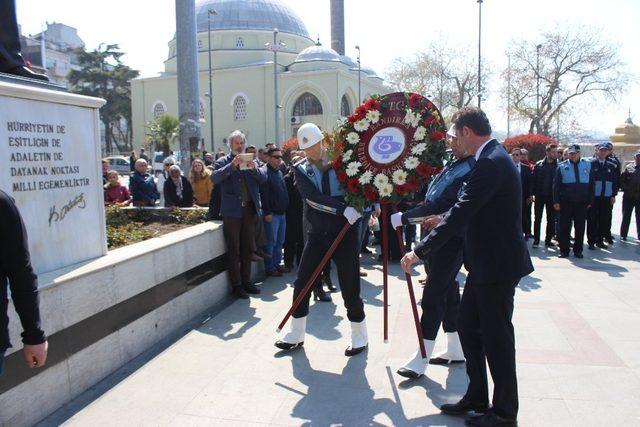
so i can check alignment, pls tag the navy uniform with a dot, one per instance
(573, 192)
(605, 182)
(325, 213)
(440, 296)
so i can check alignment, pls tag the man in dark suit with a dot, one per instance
(496, 256)
(525, 180)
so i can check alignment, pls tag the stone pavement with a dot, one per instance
(578, 347)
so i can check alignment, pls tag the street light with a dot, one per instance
(479, 52)
(359, 68)
(275, 47)
(538, 47)
(209, 13)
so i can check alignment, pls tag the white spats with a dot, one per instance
(297, 329)
(454, 348)
(416, 363)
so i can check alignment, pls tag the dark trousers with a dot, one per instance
(628, 205)
(2, 360)
(440, 295)
(486, 333)
(576, 213)
(409, 235)
(364, 229)
(10, 56)
(393, 245)
(526, 217)
(598, 219)
(542, 204)
(239, 233)
(293, 241)
(347, 260)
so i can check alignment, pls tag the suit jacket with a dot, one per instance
(526, 180)
(230, 181)
(490, 207)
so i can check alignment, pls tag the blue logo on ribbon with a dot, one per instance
(385, 146)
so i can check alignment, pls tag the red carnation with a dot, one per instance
(438, 170)
(401, 189)
(429, 105)
(352, 185)
(342, 176)
(413, 183)
(370, 193)
(337, 163)
(352, 119)
(424, 170)
(436, 135)
(429, 121)
(372, 104)
(361, 111)
(414, 100)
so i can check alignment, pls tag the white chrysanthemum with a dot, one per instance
(373, 116)
(365, 178)
(411, 163)
(399, 176)
(420, 133)
(380, 180)
(418, 148)
(353, 138)
(352, 168)
(347, 155)
(361, 125)
(385, 190)
(342, 121)
(409, 117)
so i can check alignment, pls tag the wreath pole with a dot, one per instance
(385, 274)
(315, 275)
(412, 297)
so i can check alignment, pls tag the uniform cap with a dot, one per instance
(452, 131)
(573, 148)
(309, 135)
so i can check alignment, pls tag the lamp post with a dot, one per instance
(209, 13)
(538, 47)
(479, 52)
(508, 95)
(275, 47)
(359, 80)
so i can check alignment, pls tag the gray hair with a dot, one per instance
(236, 134)
(169, 161)
(175, 168)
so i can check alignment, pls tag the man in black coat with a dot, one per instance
(542, 191)
(525, 182)
(496, 256)
(15, 268)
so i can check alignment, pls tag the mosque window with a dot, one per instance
(345, 108)
(240, 108)
(159, 109)
(307, 105)
(239, 43)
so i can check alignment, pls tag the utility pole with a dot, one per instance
(275, 47)
(508, 95)
(209, 13)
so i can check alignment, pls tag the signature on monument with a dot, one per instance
(57, 216)
(386, 146)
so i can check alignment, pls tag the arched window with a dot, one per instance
(239, 108)
(239, 43)
(159, 109)
(307, 105)
(345, 108)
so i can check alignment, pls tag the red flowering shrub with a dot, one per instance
(535, 144)
(289, 145)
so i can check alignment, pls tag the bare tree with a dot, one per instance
(572, 61)
(448, 75)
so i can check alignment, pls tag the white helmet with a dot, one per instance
(309, 135)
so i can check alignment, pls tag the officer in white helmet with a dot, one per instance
(326, 213)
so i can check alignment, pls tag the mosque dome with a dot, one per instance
(318, 53)
(264, 15)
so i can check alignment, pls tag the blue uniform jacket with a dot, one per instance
(606, 178)
(565, 186)
(230, 181)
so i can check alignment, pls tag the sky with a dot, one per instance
(384, 31)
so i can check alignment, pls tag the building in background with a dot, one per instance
(316, 84)
(626, 140)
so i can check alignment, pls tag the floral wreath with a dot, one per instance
(388, 149)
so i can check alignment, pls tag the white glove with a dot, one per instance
(351, 214)
(396, 220)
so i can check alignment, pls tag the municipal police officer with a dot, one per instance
(319, 187)
(440, 296)
(606, 181)
(612, 157)
(572, 194)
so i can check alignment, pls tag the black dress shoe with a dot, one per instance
(463, 406)
(592, 247)
(321, 295)
(443, 361)
(580, 256)
(408, 373)
(25, 72)
(286, 346)
(366, 251)
(239, 292)
(353, 351)
(602, 245)
(549, 244)
(330, 285)
(563, 255)
(490, 419)
(252, 289)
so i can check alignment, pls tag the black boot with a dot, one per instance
(239, 292)
(330, 285)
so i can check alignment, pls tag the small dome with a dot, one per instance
(318, 53)
(347, 60)
(368, 71)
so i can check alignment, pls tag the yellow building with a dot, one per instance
(626, 140)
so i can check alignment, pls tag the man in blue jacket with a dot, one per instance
(496, 256)
(275, 201)
(239, 206)
(440, 295)
(605, 181)
(572, 195)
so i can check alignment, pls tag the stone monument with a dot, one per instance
(50, 165)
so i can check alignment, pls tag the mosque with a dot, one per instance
(315, 82)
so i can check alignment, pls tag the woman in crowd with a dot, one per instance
(200, 179)
(177, 189)
(142, 186)
(114, 192)
(164, 176)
